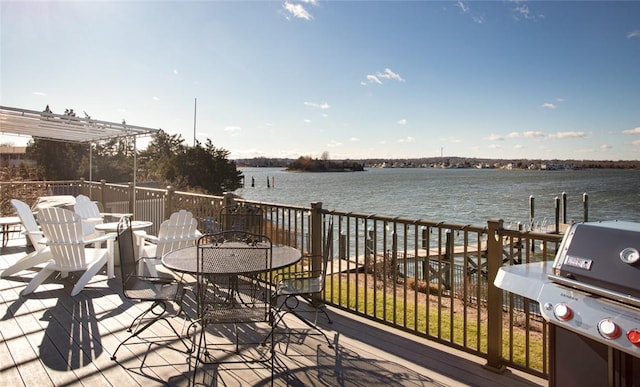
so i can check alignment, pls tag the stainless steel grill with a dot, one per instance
(591, 296)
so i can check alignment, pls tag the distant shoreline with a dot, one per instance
(444, 163)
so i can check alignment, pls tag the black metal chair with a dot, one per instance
(242, 217)
(159, 290)
(245, 301)
(296, 287)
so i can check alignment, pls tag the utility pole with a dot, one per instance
(195, 107)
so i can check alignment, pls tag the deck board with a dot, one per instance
(52, 339)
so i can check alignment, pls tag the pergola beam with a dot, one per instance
(62, 127)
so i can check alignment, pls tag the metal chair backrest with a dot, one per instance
(63, 230)
(126, 248)
(242, 218)
(326, 251)
(225, 257)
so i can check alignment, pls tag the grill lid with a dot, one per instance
(602, 258)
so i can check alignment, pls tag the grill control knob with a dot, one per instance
(563, 312)
(634, 336)
(630, 255)
(608, 329)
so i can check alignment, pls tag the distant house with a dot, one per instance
(13, 156)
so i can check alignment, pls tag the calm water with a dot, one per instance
(469, 196)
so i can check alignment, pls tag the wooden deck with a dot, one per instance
(52, 339)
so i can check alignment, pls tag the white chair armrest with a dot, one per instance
(102, 238)
(150, 238)
(27, 233)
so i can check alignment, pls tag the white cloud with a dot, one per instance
(156, 98)
(407, 139)
(334, 144)
(322, 105)
(636, 142)
(40, 93)
(606, 147)
(633, 34)
(548, 105)
(632, 131)
(562, 135)
(495, 146)
(233, 130)
(354, 139)
(522, 11)
(450, 139)
(372, 79)
(175, 71)
(307, 121)
(533, 134)
(494, 137)
(518, 146)
(297, 10)
(463, 7)
(402, 121)
(527, 134)
(386, 74)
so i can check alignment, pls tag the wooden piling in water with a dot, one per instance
(585, 206)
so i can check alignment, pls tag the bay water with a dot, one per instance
(466, 196)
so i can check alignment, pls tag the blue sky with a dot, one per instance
(356, 79)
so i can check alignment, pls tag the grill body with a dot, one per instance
(591, 297)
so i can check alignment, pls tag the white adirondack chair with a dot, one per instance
(41, 254)
(89, 212)
(180, 230)
(65, 238)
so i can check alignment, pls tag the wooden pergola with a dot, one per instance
(61, 127)
(68, 128)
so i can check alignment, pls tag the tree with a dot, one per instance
(57, 160)
(166, 160)
(157, 160)
(196, 168)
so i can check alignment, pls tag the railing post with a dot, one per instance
(316, 242)
(168, 203)
(448, 261)
(342, 246)
(557, 206)
(132, 203)
(425, 247)
(494, 297)
(564, 208)
(228, 200)
(394, 254)
(103, 190)
(81, 186)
